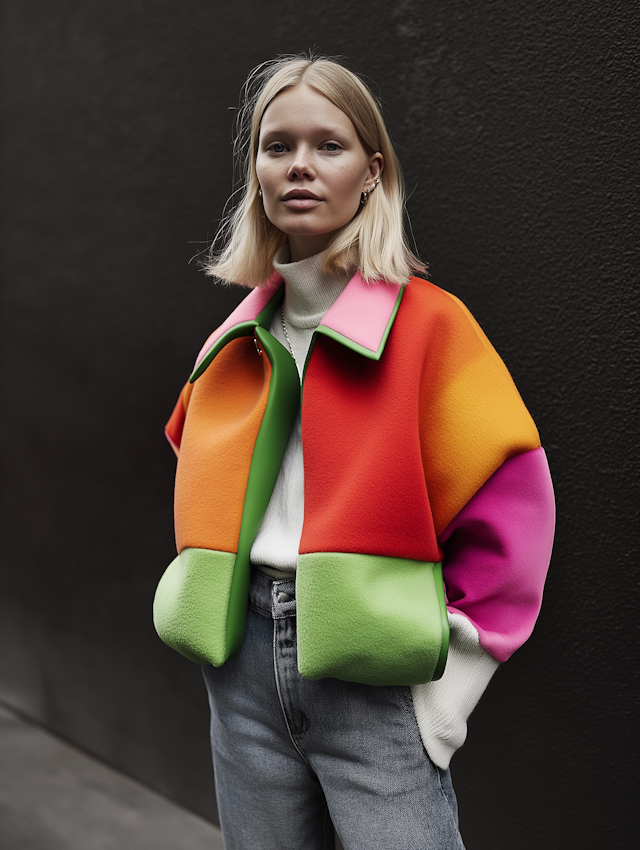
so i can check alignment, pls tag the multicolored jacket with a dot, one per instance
(421, 466)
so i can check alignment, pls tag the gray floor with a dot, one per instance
(54, 797)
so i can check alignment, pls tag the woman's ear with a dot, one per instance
(376, 167)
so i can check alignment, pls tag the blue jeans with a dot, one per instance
(291, 755)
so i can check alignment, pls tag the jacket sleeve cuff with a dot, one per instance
(443, 707)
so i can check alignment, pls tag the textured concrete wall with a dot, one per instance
(517, 123)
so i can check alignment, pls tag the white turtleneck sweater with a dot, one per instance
(309, 293)
(443, 707)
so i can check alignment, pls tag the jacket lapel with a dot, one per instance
(360, 319)
(363, 315)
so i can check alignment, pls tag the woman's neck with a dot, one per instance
(302, 247)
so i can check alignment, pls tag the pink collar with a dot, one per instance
(361, 318)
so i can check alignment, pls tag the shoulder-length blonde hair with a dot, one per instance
(374, 242)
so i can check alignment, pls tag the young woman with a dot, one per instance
(364, 513)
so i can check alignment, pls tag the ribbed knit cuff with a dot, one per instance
(443, 707)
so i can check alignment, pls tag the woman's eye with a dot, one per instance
(332, 147)
(277, 147)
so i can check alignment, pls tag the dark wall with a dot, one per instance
(517, 123)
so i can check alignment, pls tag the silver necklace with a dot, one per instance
(286, 334)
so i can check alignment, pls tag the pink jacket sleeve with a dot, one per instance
(497, 552)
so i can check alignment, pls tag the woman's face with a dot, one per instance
(312, 168)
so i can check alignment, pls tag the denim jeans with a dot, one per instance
(291, 755)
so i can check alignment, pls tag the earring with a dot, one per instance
(364, 197)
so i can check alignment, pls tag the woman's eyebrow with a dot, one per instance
(325, 132)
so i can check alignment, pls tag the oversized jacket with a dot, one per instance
(425, 486)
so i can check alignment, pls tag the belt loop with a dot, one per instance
(283, 599)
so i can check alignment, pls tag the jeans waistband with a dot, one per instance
(275, 597)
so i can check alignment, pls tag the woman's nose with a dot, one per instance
(301, 166)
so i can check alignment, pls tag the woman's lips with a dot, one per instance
(302, 203)
(301, 199)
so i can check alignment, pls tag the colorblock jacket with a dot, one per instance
(426, 489)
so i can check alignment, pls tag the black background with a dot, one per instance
(517, 124)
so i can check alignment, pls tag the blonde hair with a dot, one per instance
(374, 241)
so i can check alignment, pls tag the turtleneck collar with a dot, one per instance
(309, 291)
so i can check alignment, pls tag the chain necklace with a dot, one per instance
(286, 334)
